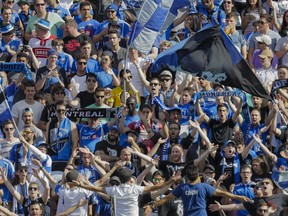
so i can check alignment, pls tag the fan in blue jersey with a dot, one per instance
(9, 16)
(25, 12)
(194, 194)
(91, 134)
(9, 43)
(86, 24)
(53, 6)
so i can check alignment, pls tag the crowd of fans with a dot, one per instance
(166, 153)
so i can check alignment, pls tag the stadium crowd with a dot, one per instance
(164, 151)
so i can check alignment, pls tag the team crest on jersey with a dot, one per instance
(62, 60)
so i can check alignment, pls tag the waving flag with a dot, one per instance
(210, 54)
(153, 19)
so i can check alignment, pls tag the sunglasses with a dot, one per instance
(165, 80)
(82, 63)
(38, 5)
(100, 96)
(60, 93)
(26, 132)
(7, 129)
(262, 22)
(154, 84)
(33, 188)
(61, 110)
(111, 11)
(130, 104)
(23, 170)
(91, 80)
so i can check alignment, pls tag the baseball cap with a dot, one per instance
(114, 127)
(20, 166)
(22, 2)
(52, 52)
(264, 39)
(132, 131)
(43, 23)
(229, 142)
(166, 73)
(7, 28)
(209, 166)
(107, 53)
(266, 53)
(27, 109)
(41, 143)
(113, 7)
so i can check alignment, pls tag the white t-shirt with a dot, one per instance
(125, 197)
(18, 108)
(136, 80)
(79, 84)
(71, 197)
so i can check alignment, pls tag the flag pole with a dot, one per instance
(8, 107)
(125, 68)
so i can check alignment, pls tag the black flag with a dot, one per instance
(210, 54)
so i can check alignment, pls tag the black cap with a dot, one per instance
(209, 166)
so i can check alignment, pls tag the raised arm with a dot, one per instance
(10, 187)
(52, 181)
(238, 111)
(45, 195)
(272, 156)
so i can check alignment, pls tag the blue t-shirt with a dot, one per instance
(104, 79)
(194, 197)
(87, 27)
(92, 66)
(61, 11)
(91, 136)
(8, 168)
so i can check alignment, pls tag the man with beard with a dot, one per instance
(74, 39)
(27, 118)
(29, 91)
(109, 149)
(267, 187)
(129, 114)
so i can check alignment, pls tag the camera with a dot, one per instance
(25, 48)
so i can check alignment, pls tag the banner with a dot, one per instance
(278, 84)
(19, 67)
(92, 113)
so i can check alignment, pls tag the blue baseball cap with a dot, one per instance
(43, 23)
(52, 52)
(113, 7)
(7, 28)
(114, 127)
(229, 142)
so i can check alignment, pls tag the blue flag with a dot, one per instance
(210, 54)
(153, 19)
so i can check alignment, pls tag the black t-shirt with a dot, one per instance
(85, 98)
(169, 167)
(26, 203)
(108, 149)
(229, 168)
(280, 200)
(256, 178)
(221, 132)
(72, 45)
